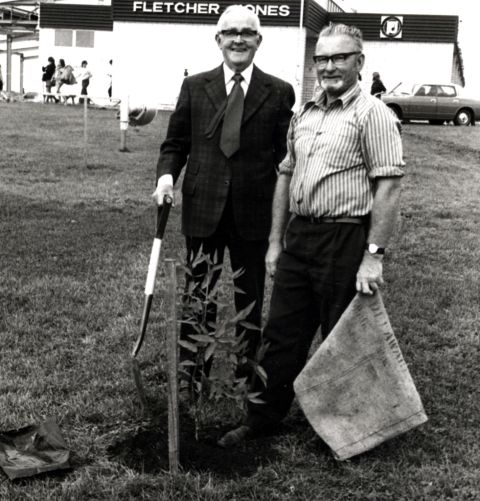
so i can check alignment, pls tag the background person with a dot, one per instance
(63, 77)
(342, 189)
(58, 74)
(377, 85)
(48, 78)
(83, 76)
(1, 79)
(231, 151)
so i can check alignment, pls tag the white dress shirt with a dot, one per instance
(229, 82)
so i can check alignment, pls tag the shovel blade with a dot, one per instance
(137, 377)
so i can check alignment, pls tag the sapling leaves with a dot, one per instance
(213, 330)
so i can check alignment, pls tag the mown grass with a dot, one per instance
(75, 241)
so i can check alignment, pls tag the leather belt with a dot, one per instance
(320, 220)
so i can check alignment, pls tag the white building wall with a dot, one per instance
(150, 58)
(97, 57)
(29, 68)
(407, 62)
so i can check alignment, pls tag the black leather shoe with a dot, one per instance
(235, 437)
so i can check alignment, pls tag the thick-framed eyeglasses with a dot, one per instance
(245, 34)
(337, 59)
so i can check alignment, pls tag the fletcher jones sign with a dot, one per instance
(270, 12)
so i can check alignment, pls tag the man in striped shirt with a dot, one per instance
(334, 210)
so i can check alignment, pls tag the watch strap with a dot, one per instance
(375, 249)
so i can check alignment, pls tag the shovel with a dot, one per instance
(162, 216)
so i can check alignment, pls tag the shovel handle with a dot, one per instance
(162, 216)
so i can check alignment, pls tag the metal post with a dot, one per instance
(85, 131)
(172, 356)
(124, 105)
(22, 58)
(9, 63)
(300, 53)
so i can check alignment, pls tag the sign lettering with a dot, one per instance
(204, 8)
(176, 7)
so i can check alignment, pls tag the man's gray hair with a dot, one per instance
(342, 29)
(238, 9)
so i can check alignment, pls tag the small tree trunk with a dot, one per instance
(172, 355)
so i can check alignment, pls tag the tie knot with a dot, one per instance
(237, 78)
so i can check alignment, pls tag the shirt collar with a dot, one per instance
(320, 98)
(246, 73)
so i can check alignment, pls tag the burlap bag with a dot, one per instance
(356, 390)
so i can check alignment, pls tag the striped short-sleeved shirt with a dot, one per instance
(335, 152)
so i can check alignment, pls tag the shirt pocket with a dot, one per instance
(339, 146)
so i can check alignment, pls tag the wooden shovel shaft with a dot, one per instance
(162, 217)
(172, 355)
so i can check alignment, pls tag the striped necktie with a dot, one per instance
(232, 120)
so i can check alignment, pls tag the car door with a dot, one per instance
(423, 104)
(448, 102)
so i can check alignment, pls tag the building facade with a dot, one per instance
(153, 42)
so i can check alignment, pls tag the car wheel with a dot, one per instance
(463, 117)
(397, 111)
(436, 122)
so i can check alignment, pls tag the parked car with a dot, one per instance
(436, 103)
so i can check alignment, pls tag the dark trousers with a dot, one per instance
(48, 88)
(314, 283)
(248, 255)
(84, 91)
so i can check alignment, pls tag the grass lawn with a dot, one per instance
(75, 242)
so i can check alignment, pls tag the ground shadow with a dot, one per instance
(146, 450)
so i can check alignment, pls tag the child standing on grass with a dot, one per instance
(83, 76)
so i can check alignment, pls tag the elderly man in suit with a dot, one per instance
(229, 129)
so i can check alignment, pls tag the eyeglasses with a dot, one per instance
(244, 34)
(337, 59)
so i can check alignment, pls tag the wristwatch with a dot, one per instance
(375, 249)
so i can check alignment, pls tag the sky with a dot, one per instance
(468, 12)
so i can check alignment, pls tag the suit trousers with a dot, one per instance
(314, 283)
(248, 255)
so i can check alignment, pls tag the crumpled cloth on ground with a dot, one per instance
(32, 450)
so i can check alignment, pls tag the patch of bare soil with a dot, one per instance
(147, 451)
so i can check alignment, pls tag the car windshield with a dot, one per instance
(403, 89)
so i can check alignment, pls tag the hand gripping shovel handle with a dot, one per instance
(162, 217)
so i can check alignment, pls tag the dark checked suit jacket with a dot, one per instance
(193, 140)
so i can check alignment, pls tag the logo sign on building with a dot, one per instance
(270, 12)
(391, 27)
